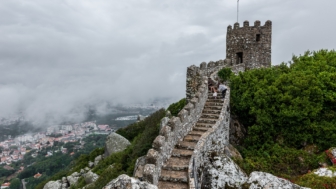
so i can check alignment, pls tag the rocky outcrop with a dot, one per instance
(115, 143)
(237, 131)
(222, 172)
(126, 182)
(261, 180)
(232, 152)
(53, 185)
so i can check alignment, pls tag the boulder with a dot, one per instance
(115, 143)
(53, 185)
(73, 179)
(261, 180)
(90, 177)
(97, 160)
(90, 164)
(126, 182)
(223, 172)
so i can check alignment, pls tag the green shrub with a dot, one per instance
(317, 182)
(175, 108)
(225, 74)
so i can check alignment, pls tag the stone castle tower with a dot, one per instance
(249, 45)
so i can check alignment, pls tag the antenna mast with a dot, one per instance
(237, 9)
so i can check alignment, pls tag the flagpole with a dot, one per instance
(237, 9)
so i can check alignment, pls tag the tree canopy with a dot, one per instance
(292, 104)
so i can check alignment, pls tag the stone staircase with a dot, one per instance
(174, 173)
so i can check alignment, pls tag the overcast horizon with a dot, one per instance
(59, 57)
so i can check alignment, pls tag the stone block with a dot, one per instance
(159, 143)
(174, 123)
(190, 108)
(150, 174)
(164, 122)
(203, 66)
(183, 115)
(152, 156)
(166, 132)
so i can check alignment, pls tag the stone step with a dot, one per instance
(196, 133)
(186, 145)
(192, 138)
(218, 100)
(202, 129)
(210, 111)
(182, 152)
(172, 185)
(209, 116)
(176, 164)
(207, 125)
(220, 103)
(207, 120)
(174, 176)
(217, 97)
(213, 108)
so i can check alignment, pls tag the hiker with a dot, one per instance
(222, 88)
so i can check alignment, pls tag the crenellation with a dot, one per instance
(236, 26)
(257, 23)
(149, 174)
(246, 23)
(190, 107)
(203, 66)
(183, 115)
(174, 123)
(152, 156)
(166, 132)
(158, 143)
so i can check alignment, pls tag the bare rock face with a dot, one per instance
(126, 182)
(237, 131)
(261, 180)
(53, 185)
(223, 172)
(232, 152)
(97, 160)
(115, 143)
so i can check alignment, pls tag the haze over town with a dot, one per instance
(59, 58)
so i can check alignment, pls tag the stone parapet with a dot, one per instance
(173, 131)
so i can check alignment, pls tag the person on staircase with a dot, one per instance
(222, 88)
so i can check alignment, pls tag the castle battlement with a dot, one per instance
(246, 25)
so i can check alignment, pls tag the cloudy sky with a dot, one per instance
(58, 56)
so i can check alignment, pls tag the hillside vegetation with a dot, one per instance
(289, 111)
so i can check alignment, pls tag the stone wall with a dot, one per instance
(250, 45)
(174, 130)
(214, 140)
